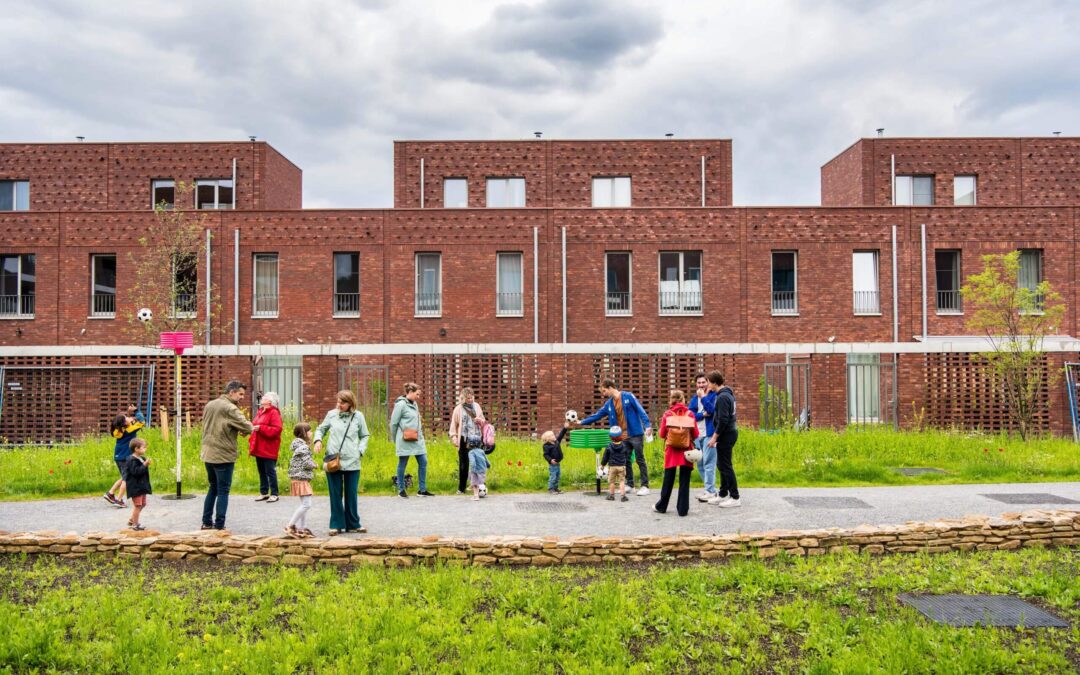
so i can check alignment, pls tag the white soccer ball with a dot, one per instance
(572, 416)
(693, 456)
(483, 490)
(145, 314)
(601, 473)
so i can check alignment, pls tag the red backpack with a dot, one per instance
(679, 432)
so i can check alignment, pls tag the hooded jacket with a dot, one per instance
(674, 457)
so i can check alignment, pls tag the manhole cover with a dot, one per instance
(982, 610)
(918, 470)
(549, 507)
(827, 503)
(1029, 498)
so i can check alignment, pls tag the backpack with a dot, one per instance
(488, 434)
(679, 431)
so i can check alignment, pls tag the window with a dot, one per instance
(611, 191)
(505, 192)
(785, 300)
(617, 273)
(1031, 273)
(864, 281)
(185, 285)
(17, 283)
(265, 301)
(347, 284)
(964, 190)
(103, 286)
(864, 388)
(947, 271)
(508, 285)
(680, 282)
(14, 195)
(428, 284)
(214, 193)
(914, 191)
(163, 193)
(455, 193)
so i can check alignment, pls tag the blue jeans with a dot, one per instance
(707, 466)
(554, 474)
(344, 514)
(219, 476)
(421, 465)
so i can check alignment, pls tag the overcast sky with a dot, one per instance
(332, 83)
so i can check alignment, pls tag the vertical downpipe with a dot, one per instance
(236, 289)
(892, 182)
(922, 229)
(895, 299)
(234, 186)
(209, 282)
(421, 182)
(703, 180)
(564, 285)
(536, 284)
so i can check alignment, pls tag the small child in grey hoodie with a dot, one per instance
(478, 466)
(301, 473)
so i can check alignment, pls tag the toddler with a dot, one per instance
(137, 475)
(616, 456)
(478, 466)
(124, 428)
(301, 472)
(553, 455)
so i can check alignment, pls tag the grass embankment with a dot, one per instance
(810, 458)
(821, 615)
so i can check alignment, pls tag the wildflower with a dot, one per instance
(519, 462)
(67, 461)
(509, 463)
(986, 450)
(50, 472)
(1001, 449)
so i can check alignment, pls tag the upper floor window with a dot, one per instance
(455, 193)
(508, 284)
(429, 284)
(864, 281)
(1030, 274)
(947, 277)
(14, 195)
(617, 274)
(914, 191)
(785, 282)
(214, 193)
(17, 284)
(103, 286)
(680, 282)
(505, 192)
(163, 193)
(964, 190)
(265, 300)
(611, 191)
(347, 284)
(185, 285)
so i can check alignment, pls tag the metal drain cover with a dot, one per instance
(549, 507)
(918, 470)
(1029, 498)
(982, 610)
(827, 503)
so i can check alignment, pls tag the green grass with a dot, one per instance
(817, 457)
(831, 614)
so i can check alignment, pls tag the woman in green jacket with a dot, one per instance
(405, 422)
(348, 440)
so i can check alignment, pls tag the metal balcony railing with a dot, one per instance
(866, 302)
(266, 304)
(948, 302)
(682, 302)
(618, 304)
(509, 304)
(184, 305)
(346, 304)
(17, 305)
(784, 302)
(103, 304)
(428, 304)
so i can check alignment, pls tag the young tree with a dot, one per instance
(1016, 318)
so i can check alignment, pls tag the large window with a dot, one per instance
(214, 193)
(505, 192)
(17, 284)
(964, 190)
(864, 281)
(680, 282)
(455, 193)
(346, 284)
(428, 284)
(162, 193)
(103, 286)
(265, 300)
(14, 195)
(185, 285)
(508, 285)
(785, 282)
(1031, 272)
(947, 276)
(864, 388)
(914, 191)
(613, 191)
(617, 275)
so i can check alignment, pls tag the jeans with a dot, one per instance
(638, 443)
(219, 477)
(554, 474)
(707, 466)
(299, 516)
(344, 514)
(267, 475)
(682, 502)
(462, 466)
(724, 446)
(421, 465)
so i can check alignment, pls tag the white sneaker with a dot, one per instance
(717, 499)
(644, 491)
(730, 503)
(705, 496)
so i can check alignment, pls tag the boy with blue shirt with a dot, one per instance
(623, 410)
(703, 406)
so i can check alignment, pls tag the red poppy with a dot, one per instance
(50, 472)
(67, 461)
(519, 462)
(509, 463)
(1001, 449)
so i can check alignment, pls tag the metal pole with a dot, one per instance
(922, 227)
(235, 187)
(892, 185)
(422, 183)
(236, 288)
(536, 284)
(703, 180)
(179, 456)
(208, 324)
(895, 299)
(564, 285)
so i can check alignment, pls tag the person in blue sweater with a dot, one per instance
(124, 428)
(623, 410)
(703, 406)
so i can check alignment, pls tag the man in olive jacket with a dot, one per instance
(221, 422)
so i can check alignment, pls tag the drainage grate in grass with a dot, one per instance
(918, 470)
(982, 610)
(1029, 498)
(549, 507)
(827, 503)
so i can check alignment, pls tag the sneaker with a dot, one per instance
(717, 499)
(644, 491)
(624, 499)
(109, 498)
(705, 496)
(656, 510)
(137, 528)
(120, 503)
(273, 498)
(555, 491)
(610, 498)
(403, 495)
(425, 493)
(262, 498)
(731, 503)
(206, 527)
(460, 492)
(476, 498)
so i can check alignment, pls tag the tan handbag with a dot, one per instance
(410, 435)
(333, 462)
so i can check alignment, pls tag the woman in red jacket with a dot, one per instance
(678, 428)
(264, 444)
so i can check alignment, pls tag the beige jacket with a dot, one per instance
(221, 422)
(456, 419)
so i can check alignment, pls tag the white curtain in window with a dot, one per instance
(266, 283)
(1030, 269)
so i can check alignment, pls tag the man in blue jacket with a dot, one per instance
(622, 409)
(703, 405)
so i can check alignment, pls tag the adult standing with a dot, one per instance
(348, 442)
(622, 409)
(408, 434)
(265, 443)
(464, 424)
(703, 407)
(679, 431)
(222, 421)
(725, 435)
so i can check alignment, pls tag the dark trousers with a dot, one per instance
(267, 475)
(462, 466)
(344, 513)
(724, 445)
(682, 502)
(219, 477)
(638, 443)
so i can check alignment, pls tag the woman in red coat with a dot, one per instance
(678, 428)
(264, 444)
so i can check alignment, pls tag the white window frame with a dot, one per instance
(255, 312)
(909, 179)
(346, 314)
(506, 191)
(153, 193)
(604, 186)
(681, 311)
(629, 284)
(974, 189)
(498, 283)
(454, 179)
(216, 182)
(94, 314)
(877, 282)
(173, 312)
(772, 266)
(15, 182)
(416, 291)
(19, 314)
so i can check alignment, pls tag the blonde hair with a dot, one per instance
(466, 392)
(346, 396)
(676, 397)
(548, 437)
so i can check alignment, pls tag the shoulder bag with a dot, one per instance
(333, 462)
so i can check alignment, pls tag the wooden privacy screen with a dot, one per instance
(960, 393)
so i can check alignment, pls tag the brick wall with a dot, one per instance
(842, 177)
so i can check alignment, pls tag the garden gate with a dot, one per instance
(283, 375)
(784, 396)
(872, 397)
(371, 386)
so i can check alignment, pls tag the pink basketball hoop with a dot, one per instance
(177, 341)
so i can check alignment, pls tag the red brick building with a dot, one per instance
(530, 269)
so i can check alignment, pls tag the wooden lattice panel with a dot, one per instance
(960, 392)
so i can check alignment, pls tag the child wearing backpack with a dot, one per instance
(678, 428)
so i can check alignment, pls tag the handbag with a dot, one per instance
(333, 462)
(410, 435)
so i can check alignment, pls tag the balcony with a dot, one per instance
(429, 304)
(618, 304)
(266, 305)
(184, 305)
(867, 302)
(784, 303)
(346, 305)
(103, 305)
(17, 306)
(509, 304)
(948, 302)
(680, 302)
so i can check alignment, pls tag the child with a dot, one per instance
(301, 472)
(553, 455)
(616, 456)
(478, 466)
(678, 428)
(124, 429)
(137, 475)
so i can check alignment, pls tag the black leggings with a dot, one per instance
(462, 465)
(724, 445)
(682, 502)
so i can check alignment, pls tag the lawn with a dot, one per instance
(810, 458)
(826, 614)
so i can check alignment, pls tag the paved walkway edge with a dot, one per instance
(1035, 528)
